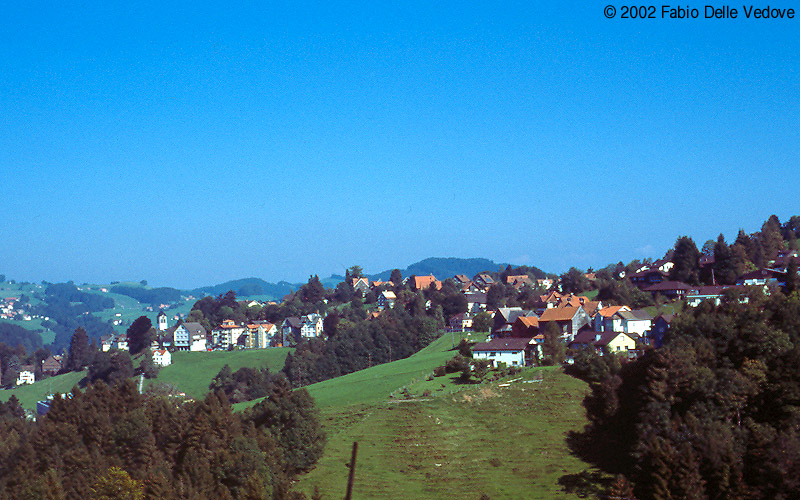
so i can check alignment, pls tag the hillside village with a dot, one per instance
(612, 328)
(515, 334)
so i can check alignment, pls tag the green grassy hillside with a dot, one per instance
(507, 442)
(192, 372)
(28, 395)
(458, 442)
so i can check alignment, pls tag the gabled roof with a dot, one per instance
(424, 282)
(636, 315)
(502, 344)
(293, 321)
(477, 297)
(609, 311)
(666, 317)
(559, 314)
(486, 278)
(461, 278)
(194, 328)
(590, 337)
(510, 314)
(388, 294)
(528, 321)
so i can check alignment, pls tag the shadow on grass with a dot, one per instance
(584, 484)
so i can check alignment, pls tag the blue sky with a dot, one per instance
(195, 143)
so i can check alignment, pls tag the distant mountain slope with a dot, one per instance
(247, 286)
(445, 267)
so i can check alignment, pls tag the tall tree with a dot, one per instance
(553, 346)
(396, 277)
(139, 335)
(79, 355)
(686, 260)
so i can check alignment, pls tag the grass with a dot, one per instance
(192, 372)
(505, 442)
(28, 395)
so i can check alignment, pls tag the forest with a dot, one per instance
(149, 446)
(713, 414)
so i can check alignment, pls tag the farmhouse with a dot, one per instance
(511, 351)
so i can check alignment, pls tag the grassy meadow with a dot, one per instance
(505, 439)
(192, 372)
(28, 395)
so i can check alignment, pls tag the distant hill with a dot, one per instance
(445, 267)
(247, 286)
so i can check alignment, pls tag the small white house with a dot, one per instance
(509, 350)
(162, 357)
(26, 376)
(311, 326)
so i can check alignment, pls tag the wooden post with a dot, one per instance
(349, 494)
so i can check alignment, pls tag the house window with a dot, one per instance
(492, 354)
(513, 362)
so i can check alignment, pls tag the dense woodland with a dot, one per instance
(713, 414)
(148, 446)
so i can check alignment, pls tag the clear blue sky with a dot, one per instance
(196, 143)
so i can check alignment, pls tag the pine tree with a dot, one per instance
(79, 353)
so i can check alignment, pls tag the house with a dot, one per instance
(386, 299)
(670, 289)
(619, 342)
(461, 279)
(525, 327)
(762, 277)
(648, 277)
(290, 330)
(483, 281)
(424, 282)
(189, 337)
(545, 283)
(635, 322)
(227, 334)
(360, 285)
(311, 325)
(568, 319)
(260, 335)
(511, 351)
(470, 287)
(504, 320)
(476, 301)
(27, 375)
(121, 342)
(604, 319)
(106, 342)
(161, 357)
(519, 281)
(659, 329)
(461, 322)
(52, 365)
(712, 293)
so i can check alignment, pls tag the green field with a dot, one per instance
(28, 395)
(505, 442)
(461, 441)
(192, 372)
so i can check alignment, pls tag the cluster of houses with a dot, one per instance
(516, 336)
(10, 309)
(50, 366)
(193, 337)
